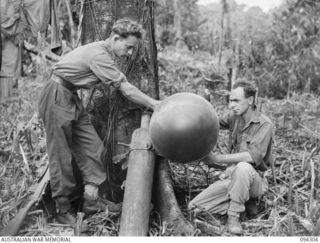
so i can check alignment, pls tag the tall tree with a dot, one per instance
(224, 5)
(114, 117)
(178, 24)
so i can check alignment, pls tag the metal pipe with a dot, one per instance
(137, 196)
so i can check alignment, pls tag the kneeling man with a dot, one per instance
(250, 141)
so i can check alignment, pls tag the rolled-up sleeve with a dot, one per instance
(259, 143)
(105, 69)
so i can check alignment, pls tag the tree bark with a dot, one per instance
(0, 44)
(235, 63)
(71, 23)
(221, 39)
(114, 117)
(228, 35)
(178, 26)
(166, 203)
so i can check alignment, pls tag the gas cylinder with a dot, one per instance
(184, 128)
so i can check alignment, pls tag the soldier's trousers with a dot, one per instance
(229, 195)
(69, 134)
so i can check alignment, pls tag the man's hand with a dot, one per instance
(133, 94)
(215, 158)
(156, 104)
(211, 159)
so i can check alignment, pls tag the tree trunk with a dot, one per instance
(71, 24)
(177, 25)
(0, 46)
(166, 203)
(114, 117)
(228, 35)
(235, 63)
(221, 39)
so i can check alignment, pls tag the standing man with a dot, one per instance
(250, 141)
(68, 128)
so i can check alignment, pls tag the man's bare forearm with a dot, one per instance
(212, 158)
(135, 95)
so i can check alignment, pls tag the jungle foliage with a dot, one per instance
(279, 50)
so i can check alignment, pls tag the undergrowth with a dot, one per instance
(290, 207)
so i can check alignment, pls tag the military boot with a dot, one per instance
(251, 208)
(96, 205)
(234, 226)
(66, 215)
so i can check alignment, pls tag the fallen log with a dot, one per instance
(166, 203)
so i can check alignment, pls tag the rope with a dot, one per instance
(137, 146)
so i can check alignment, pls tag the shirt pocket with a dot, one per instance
(245, 142)
(248, 140)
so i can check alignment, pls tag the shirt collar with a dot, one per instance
(255, 118)
(108, 47)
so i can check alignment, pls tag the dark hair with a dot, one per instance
(126, 27)
(249, 89)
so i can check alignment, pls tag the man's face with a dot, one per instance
(238, 103)
(123, 47)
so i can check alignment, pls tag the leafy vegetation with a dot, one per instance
(278, 50)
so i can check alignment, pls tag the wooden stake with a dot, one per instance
(290, 185)
(290, 224)
(273, 173)
(296, 203)
(312, 186)
(80, 216)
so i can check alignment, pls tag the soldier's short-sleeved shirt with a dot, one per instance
(89, 65)
(254, 137)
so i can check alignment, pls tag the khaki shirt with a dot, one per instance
(254, 137)
(89, 65)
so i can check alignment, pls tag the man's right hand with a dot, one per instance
(156, 104)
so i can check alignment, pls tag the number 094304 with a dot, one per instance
(308, 239)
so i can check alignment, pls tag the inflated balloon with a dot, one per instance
(184, 128)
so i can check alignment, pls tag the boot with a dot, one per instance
(251, 208)
(96, 205)
(234, 226)
(66, 215)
